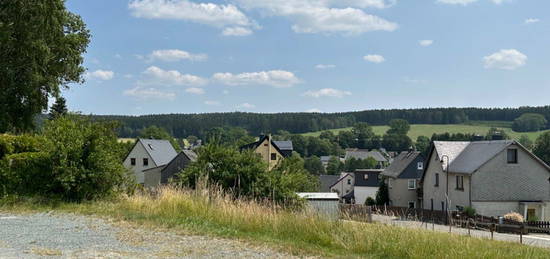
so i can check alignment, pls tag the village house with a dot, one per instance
(402, 178)
(361, 154)
(367, 183)
(147, 154)
(356, 187)
(493, 177)
(272, 152)
(163, 174)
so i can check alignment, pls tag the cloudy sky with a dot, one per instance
(194, 56)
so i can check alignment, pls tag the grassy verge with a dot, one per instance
(296, 233)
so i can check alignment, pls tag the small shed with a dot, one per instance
(324, 203)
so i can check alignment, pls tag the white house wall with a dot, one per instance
(495, 208)
(497, 180)
(362, 192)
(139, 152)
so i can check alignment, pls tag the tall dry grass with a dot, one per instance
(210, 211)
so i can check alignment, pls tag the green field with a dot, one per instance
(429, 129)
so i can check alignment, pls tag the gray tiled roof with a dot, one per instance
(476, 154)
(364, 154)
(466, 157)
(161, 151)
(284, 145)
(400, 163)
(190, 154)
(327, 181)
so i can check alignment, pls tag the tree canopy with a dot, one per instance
(41, 52)
(529, 122)
(542, 147)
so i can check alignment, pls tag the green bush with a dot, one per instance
(370, 201)
(469, 211)
(26, 174)
(74, 159)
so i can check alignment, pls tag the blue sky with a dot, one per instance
(191, 56)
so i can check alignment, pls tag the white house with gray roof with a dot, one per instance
(147, 154)
(494, 177)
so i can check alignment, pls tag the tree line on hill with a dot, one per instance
(183, 125)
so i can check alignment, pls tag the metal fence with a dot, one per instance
(452, 219)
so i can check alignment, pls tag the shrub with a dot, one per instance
(85, 159)
(10, 144)
(26, 173)
(469, 211)
(529, 122)
(370, 201)
(514, 216)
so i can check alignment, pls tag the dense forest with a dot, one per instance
(183, 125)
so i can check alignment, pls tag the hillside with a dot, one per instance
(183, 125)
(429, 129)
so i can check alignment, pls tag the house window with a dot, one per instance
(460, 182)
(442, 206)
(412, 204)
(512, 156)
(432, 204)
(265, 145)
(349, 181)
(366, 176)
(132, 161)
(412, 184)
(420, 166)
(145, 161)
(273, 156)
(436, 180)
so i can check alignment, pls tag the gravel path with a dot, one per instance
(540, 240)
(47, 235)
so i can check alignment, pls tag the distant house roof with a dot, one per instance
(327, 181)
(364, 154)
(371, 181)
(402, 163)
(467, 157)
(284, 147)
(161, 151)
(190, 154)
(325, 159)
(318, 195)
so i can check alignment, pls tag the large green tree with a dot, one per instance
(41, 47)
(529, 122)
(542, 147)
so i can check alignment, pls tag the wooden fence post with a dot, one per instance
(493, 227)
(369, 214)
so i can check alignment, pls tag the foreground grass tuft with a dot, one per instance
(212, 213)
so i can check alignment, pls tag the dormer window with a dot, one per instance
(512, 156)
(420, 165)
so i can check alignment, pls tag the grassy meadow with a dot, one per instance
(429, 129)
(299, 233)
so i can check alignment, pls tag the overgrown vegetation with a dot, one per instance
(213, 213)
(245, 174)
(73, 159)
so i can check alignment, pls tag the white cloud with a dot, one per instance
(216, 15)
(174, 55)
(101, 75)
(467, 2)
(323, 66)
(531, 20)
(149, 93)
(212, 103)
(327, 92)
(456, 2)
(236, 31)
(194, 90)
(374, 58)
(507, 59)
(246, 106)
(315, 110)
(157, 76)
(425, 43)
(275, 78)
(325, 16)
